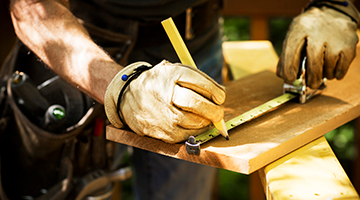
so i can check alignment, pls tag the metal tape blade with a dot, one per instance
(247, 116)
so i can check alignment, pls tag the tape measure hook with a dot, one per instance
(192, 147)
(299, 85)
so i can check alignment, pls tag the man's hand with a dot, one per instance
(329, 38)
(168, 102)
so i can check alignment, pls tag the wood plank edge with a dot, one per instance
(302, 139)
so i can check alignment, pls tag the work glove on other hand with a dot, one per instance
(169, 102)
(329, 37)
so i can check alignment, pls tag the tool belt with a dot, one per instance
(120, 41)
(190, 24)
(40, 164)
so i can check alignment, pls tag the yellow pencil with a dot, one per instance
(186, 59)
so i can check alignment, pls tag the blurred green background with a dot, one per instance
(233, 186)
(342, 139)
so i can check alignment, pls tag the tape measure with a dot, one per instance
(247, 116)
(297, 90)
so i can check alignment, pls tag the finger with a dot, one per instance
(189, 120)
(343, 64)
(315, 64)
(199, 82)
(330, 62)
(288, 66)
(190, 101)
(346, 55)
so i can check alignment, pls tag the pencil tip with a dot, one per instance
(221, 127)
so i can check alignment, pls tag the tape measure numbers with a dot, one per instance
(193, 145)
(247, 116)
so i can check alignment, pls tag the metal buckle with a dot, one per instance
(189, 33)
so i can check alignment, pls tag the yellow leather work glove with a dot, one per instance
(329, 37)
(168, 102)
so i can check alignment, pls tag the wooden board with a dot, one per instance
(249, 57)
(261, 141)
(311, 172)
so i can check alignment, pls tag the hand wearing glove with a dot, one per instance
(327, 30)
(168, 102)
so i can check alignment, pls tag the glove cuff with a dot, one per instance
(116, 86)
(345, 7)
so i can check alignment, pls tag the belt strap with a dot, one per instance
(190, 23)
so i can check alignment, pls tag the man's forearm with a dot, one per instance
(52, 32)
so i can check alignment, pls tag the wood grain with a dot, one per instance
(269, 137)
(311, 172)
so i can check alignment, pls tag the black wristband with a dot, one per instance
(321, 3)
(128, 78)
(341, 3)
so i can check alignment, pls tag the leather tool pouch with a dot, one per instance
(32, 158)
